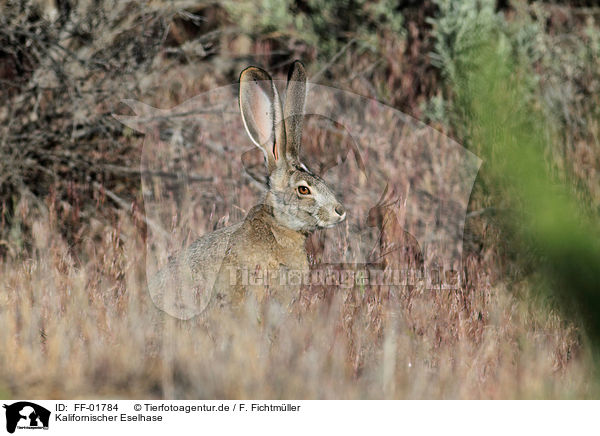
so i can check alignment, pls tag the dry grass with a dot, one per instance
(81, 322)
(85, 327)
(76, 319)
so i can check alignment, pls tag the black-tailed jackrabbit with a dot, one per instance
(257, 255)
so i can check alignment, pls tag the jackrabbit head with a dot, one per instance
(300, 199)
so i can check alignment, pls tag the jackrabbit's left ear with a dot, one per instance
(293, 110)
(262, 114)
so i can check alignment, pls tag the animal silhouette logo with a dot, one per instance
(26, 415)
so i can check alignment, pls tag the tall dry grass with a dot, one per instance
(84, 326)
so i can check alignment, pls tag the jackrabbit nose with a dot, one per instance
(340, 210)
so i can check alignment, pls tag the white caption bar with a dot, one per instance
(248, 417)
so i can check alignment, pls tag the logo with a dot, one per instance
(26, 415)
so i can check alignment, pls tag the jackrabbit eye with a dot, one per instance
(303, 190)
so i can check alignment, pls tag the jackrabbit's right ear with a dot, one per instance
(262, 114)
(293, 111)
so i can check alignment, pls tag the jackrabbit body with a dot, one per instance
(271, 239)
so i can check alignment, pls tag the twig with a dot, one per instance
(332, 61)
(127, 208)
(484, 211)
(163, 174)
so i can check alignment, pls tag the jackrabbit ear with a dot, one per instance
(293, 111)
(262, 114)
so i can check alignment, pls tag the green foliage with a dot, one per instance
(496, 104)
(324, 24)
(561, 77)
(458, 29)
(435, 110)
